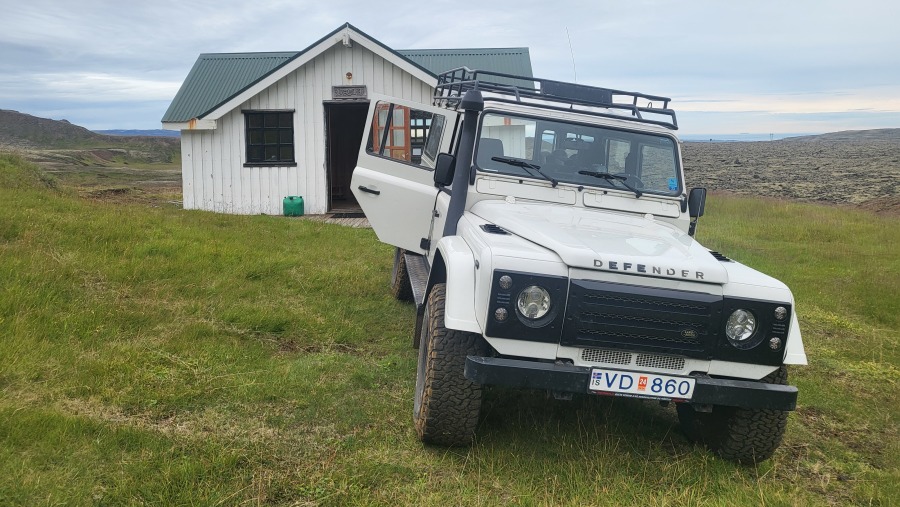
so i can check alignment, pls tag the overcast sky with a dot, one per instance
(760, 66)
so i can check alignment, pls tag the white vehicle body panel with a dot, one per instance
(400, 210)
(388, 211)
(597, 239)
(459, 310)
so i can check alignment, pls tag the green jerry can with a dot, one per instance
(293, 206)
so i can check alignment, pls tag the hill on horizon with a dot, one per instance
(22, 130)
(65, 142)
(26, 131)
(853, 135)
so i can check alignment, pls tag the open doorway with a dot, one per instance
(345, 123)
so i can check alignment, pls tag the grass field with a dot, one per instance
(157, 356)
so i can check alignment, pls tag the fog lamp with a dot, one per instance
(500, 314)
(775, 343)
(505, 282)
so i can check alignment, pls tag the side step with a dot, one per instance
(418, 269)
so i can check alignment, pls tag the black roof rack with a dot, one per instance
(453, 84)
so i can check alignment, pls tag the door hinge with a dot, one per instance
(425, 244)
(435, 213)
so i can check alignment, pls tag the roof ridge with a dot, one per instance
(516, 48)
(248, 53)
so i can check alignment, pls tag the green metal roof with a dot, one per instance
(216, 77)
(516, 61)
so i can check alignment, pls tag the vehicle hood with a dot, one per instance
(607, 241)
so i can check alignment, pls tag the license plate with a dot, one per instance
(640, 385)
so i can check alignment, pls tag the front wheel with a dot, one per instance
(745, 436)
(447, 404)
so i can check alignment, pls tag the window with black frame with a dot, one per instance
(270, 137)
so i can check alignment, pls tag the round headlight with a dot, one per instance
(533, 302)
(740, 326)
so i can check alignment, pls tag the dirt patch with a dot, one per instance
(889, 205)
(155, 195)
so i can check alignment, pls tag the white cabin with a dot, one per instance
(258, 127)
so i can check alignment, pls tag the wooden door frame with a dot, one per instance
(327, 127)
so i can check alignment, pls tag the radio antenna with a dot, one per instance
(572, 51)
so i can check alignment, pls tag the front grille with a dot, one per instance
(661, 362)
(637, 318)
(622, 358)
(606, 356)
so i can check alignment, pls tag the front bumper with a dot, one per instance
(569, 378)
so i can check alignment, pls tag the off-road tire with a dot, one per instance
(401, 288)
(447, 404)
(745, 436)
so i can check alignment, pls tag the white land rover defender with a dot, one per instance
(545, 234)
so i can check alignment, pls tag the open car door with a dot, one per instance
(394, 176)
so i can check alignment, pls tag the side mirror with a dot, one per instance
(697, 202)
(443, 169)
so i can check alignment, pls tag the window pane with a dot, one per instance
(287, 153)
(286, 137)
(618, 151)
(271, 137)
(433, 143)
(255, 154)
(399, 119)
(658, 169)
(255, 120)
(399, 137)
(271, 153)
(256, 137)
(285, 120)
(270, 120)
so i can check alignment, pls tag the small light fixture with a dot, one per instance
(501, 314)
(780, 313)
(775, 343)
(505, 282)
(349, 76)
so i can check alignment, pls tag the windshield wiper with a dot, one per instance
(527, 166)
(613, 177)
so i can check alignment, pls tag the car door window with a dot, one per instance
(405, 134)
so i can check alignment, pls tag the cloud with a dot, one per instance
(96, 87)
(718, 57)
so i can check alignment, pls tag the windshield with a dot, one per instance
(579, 154)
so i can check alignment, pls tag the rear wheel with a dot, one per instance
(447, 404)
(746, 436)
(401, 288)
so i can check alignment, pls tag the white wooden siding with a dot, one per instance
(213, 174)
